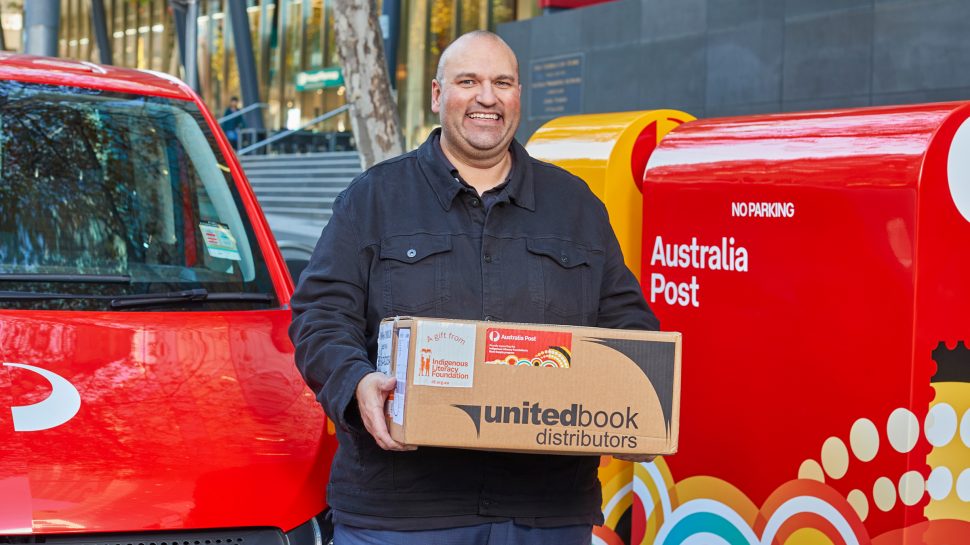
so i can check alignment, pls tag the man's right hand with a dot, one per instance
(372, 392)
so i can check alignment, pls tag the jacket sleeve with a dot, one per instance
(622, 305)
(329, 318)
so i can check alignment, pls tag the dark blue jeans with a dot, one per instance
(499, 533)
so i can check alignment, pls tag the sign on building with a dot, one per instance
(556, 87)
(319, 79)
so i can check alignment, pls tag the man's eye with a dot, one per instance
(504, 84)
(466, 82)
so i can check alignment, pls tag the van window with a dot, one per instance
(106, 197)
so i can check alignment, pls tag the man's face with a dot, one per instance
(478, 99)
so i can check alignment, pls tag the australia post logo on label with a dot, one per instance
(505, 346)
(444, 355)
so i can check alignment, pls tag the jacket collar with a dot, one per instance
(521, 188)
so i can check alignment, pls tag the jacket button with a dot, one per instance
(475, 203)
(489, 318)
(564, 259)
(488, 258)
(412, 252)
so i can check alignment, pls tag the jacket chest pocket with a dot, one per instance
(560, 280)
(415, 273)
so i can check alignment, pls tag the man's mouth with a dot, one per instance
(491, 117)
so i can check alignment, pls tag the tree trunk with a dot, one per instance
(373, 112)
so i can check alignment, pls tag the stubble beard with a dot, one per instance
(478, 147)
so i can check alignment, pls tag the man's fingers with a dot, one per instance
(377, 426)
(384, 439)
(387, 385)
(372, 394)
(383, 436)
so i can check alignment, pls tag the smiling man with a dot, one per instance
(467, 226)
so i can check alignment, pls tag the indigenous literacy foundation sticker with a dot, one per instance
(445, 355)
(526, 347)
(219, 240)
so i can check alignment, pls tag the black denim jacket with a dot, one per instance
(407, 238)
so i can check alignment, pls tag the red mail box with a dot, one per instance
(817, 265)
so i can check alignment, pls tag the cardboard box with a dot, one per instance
(531, 388)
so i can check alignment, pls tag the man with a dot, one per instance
(232, 126)
(467, 226)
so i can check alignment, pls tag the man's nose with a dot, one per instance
(486, 96)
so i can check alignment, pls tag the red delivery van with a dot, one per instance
(147, 389)
(816, 264)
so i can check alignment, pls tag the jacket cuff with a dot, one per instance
(343, 409)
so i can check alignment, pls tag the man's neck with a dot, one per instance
(481, 175)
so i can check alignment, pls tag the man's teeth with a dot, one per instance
(483, 116)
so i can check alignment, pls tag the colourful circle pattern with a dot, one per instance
(554, 357)
(704, 510)
(942, 428)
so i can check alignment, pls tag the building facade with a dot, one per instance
(707, 57)
(715, 58)
(294, 47)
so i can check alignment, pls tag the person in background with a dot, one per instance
(232, 126)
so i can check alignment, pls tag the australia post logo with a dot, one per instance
(60, 406)
(575, 426)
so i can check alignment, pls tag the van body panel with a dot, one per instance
(186, 420)
(51, 71)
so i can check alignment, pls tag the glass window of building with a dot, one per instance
(293, 40)
(12, 23)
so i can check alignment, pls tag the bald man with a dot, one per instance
(467, 226)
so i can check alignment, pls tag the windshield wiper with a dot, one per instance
(186, 296)
(77, 278)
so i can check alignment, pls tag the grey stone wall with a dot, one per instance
(715, 58)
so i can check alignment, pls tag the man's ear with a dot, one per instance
(435, 96)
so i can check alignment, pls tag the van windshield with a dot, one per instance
(106, 195)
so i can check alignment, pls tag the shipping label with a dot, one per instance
(384, 337)
(401, 372)
(445, 355)
(504, 346)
